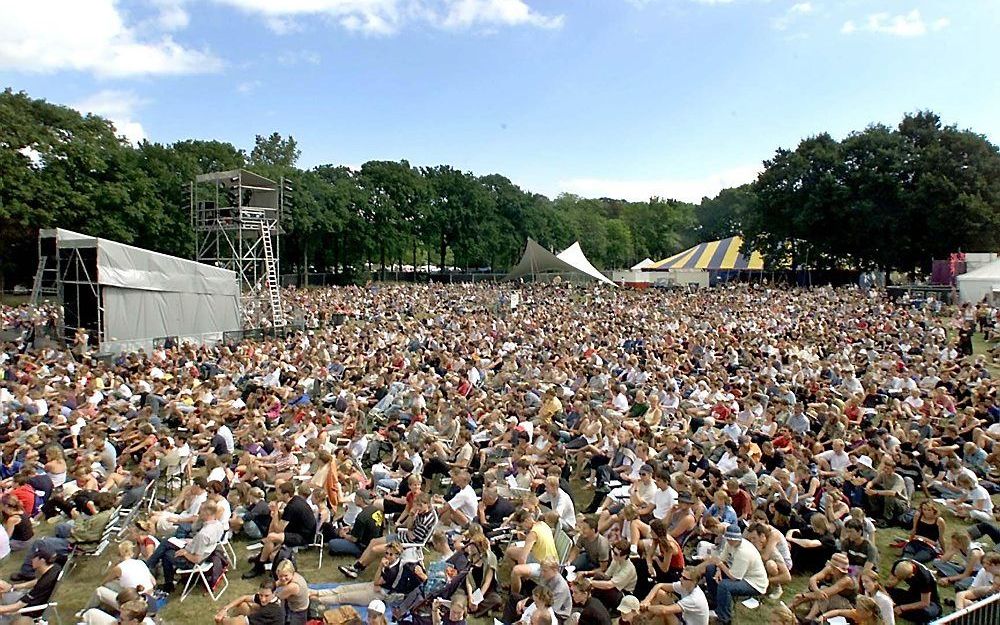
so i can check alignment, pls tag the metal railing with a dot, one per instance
(983, 612)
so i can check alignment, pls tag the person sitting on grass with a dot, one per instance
(864, 612)
(960, 562)
(690, 607)
(919, 601)
(737, 572)
(985, 583)
(831, 589)
(262, 608)
(293, 524)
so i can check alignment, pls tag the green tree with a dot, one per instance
(275, 151)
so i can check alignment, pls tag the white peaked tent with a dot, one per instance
(537, 259)
(642, 264)
(980, 283)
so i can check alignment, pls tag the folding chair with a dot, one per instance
(197, 573)
(563, 546)
(227, 547)
(413, 552)
(38, 613)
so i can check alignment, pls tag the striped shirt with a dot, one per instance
(422, 527)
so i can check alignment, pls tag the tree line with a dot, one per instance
(882, 197)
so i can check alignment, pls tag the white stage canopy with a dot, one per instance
(537, 259)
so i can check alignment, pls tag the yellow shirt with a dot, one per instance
(545, 545)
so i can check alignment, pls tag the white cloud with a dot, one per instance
(685, 189)
(910, 24)
(117, 106)
(92, 36)
(248, 87)
(387, 17)
(794, 12)
(296, 57)
(171, 14)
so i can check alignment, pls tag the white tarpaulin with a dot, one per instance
(537, 259)
(975, 285)
(147, 295)
(642, 264)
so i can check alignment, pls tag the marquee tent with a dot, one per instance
(980, 283)
(713, 256)
(127, 297)
(643, 264)
(536, 259)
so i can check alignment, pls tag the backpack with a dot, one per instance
(220, 564)
(284, 553)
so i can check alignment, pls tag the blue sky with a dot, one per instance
(624, 98)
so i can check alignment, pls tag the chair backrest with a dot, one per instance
(563, 544)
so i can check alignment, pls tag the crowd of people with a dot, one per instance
(591, 454)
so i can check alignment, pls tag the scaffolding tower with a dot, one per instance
(236, 216)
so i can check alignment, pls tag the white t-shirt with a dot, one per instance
(978, 494)
(664, 501)
(694, 606)
(227, 435)
(838, 462)
(4, 543)
(134, 573)
(465, 502)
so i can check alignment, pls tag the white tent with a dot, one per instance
(975, 285)
(135, 296)
(642, 264)
(537, 259)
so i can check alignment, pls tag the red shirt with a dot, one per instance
(26, 495)
(742, 504)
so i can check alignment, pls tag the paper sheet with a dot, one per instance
(477, 596)
(751, 603)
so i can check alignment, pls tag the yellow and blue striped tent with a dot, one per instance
(713, 255)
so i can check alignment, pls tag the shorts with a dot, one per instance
(392, 537)
(295, 540)
(535, 569)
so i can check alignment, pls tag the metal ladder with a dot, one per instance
(271, 278)
(38, 288)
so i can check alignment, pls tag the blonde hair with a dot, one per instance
(126, 549)
(285, 566)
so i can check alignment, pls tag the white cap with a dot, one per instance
(377, 607)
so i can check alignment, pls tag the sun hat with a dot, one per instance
(628, 605)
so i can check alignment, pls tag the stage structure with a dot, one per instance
(125, 298)
(236, 216)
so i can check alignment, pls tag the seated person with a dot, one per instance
(83, 531)
(34, 592)
(417, 530)
(183, 509)
(393, 576)
(262, 608)
(173, 556)
(690, 607)
(918, 601)
(293, 524)
(985, 583)
(831, 589)
(960, 562)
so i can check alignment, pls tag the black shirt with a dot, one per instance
(270, 614)
(260, 515)
(42, 590)
(594, 613)
(500, 510)
(922, 580)
(368, 526)
(300, 518)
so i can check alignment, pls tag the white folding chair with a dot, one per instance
(38, 613)
(196, 574)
